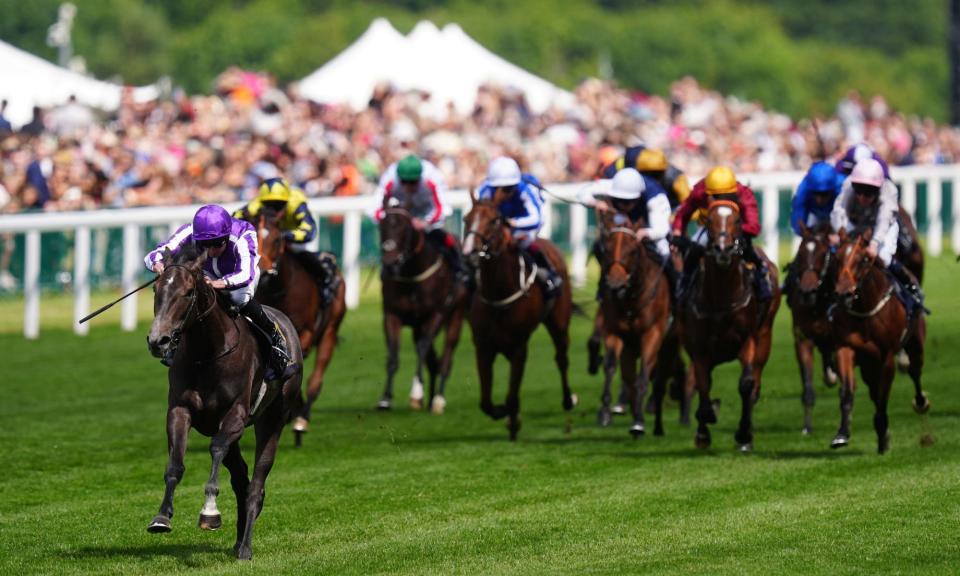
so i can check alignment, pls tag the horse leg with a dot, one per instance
(614, 347)
(518, 361)
(178, 428)
(451, 339)
(559, 333)
(231, 428)
(830, 377)
(665, 370)
(594, 356)
(845, 369)
(391, 329)
(804, 350)
(239, 481)
(632, 382)
(485, 357)
(879, 379)
(324, 353)
(689, 387)
(268, 436)
(914, 348)
(744, 434)
(705, 413)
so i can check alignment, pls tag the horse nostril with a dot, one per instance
(163, 341)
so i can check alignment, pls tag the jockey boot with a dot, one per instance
(546, 274)
(279, 365)
(322, 266)
(908, 282)
(761, 276)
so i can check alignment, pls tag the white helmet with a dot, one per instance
(503, 171)
(867, 171)
(627, 184)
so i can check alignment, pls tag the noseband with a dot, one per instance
(177, 333)
(485, 250)
(391, 245)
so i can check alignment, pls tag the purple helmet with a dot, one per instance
(211, 222)
(854, 154)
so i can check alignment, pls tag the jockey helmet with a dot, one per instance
(627, 184)
(652, 160)
(822, 177)
(868, 172)
(853, 155)
(274, 190)
(410, 169)
(211, 222)
(503, 171)
(720, 180)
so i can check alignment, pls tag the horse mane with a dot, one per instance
(188, 253)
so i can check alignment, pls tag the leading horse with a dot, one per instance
(507, 307)
(870, 326)
(216, 386)
(288, 287)
(722, 320)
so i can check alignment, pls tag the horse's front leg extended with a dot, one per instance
(845, 367)
(744, 434)
(423, 337)
(231, 428)
(391, 329)
(452, 338)
(518, 361)
(268, 430)
(614, 347)
(804, 350)
(650, 344)
(178, 427)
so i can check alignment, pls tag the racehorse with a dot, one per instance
(870, 325)
(636, 322)
(722, 320)
(216, 386)
(288, 287)
(420, 291)
(508, 305)
(811, 296)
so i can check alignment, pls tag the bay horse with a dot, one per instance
(809, 300)
(722, 320)
(636, 323)
(288, 287)
(870, 326)
(216, 386)
(508, 305)
(420, 291)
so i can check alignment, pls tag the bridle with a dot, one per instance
(485, 250)
(723, 257)
(263, 233)
(177, 333)
(847, 271)
(391, 245)
(812, 267)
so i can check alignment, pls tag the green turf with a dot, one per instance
(82, 426)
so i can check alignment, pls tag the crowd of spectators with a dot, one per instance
(217, 148)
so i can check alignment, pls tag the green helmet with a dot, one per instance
(410, 169)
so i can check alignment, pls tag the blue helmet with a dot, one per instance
(822, 177)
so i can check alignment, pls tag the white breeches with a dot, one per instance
(240, 296)
(888, 245)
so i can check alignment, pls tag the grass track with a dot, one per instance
(82, 424)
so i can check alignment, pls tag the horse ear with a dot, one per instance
(473, 195)
(167, 256)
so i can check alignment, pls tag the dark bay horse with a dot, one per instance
(420, 291)
(722, 320)
(636, 323)
(288, 287)
(216, 386)
(811, 296)
(870, 325)
(507, 307)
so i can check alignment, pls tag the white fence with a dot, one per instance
(770, 187)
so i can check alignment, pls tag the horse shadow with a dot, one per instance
(191, 555)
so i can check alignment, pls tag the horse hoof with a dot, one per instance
(745, 448)
(702, 441)
(618, 408)
(658, 431)
(807, 430)
(210, 522)
(159, 525)
(604, 418)
(883, 446)
(243, 552)
(416, 403)
(384, 404)
(301, 424)
(831, 378)
(922, 408)
(571, 402)
(637, 430)
(438, 405)
(840, 441)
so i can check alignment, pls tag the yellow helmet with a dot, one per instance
(720, 180)
(274, 190)
(651, 160)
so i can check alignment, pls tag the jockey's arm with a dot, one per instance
(887, 213)
(247, 250)
(243, 213)
(436, 189)
(658, 217)
(798, 208)
(696, 200)
(749, 211)
(306, 228)
(838, 216)
(532, 218)
(174, 243)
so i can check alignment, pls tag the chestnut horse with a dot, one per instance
(507, 307)
(811, 296)
(420, 291)
(288, 287)
(870, 325)
(722, 320)
(216, 386)
(636, 323)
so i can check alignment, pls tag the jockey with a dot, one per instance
(869, 200)
(721, 184)
(637, 198)
(652, 163)
(518, 199)
(231, 247)
(857, 153)
(813, 203)
(298, 227)
(419, 187)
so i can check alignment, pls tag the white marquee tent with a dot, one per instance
(447, 64)
(27, 81)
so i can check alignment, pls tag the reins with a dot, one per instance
(421, 242)
(620, 231)
(177, 333)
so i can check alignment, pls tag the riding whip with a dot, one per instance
(107, 307)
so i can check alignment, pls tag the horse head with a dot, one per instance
(723, 231)
(853, 263)
(484, 232)
(399, 239)
(620, 250)
(175, 301)
(812, 264)
(271, 245)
